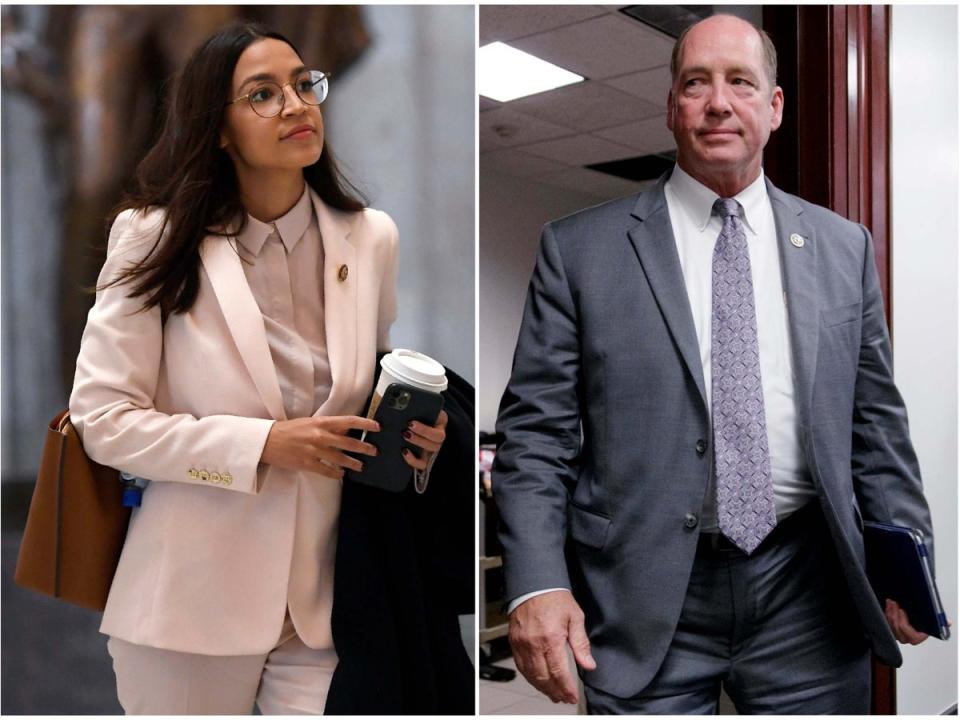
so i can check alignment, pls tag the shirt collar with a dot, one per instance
(698, 199)
(290, 226)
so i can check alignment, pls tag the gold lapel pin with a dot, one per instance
(797, 240)
(342, 273)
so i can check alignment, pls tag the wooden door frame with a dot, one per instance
(833, 147)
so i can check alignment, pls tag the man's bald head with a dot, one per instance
(769, 51)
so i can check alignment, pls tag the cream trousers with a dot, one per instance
(292, 679)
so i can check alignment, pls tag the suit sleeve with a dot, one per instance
(112, 403)
(540, 419)
(886, 473)
(387, 311)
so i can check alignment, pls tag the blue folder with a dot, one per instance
(898, 565)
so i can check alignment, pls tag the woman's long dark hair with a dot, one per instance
(188, 175)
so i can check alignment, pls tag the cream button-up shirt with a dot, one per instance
(283, 263)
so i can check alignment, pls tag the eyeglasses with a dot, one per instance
(268, 98)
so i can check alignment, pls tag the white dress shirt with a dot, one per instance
(695, 230)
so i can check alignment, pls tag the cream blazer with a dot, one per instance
(222, 543)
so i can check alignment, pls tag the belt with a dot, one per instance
(717, 542)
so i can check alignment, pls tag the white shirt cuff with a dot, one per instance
(517, 602)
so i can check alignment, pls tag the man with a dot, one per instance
(700, 416)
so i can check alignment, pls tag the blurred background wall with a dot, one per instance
(79, 105)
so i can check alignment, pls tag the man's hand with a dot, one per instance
(540, 630)
(902, 629)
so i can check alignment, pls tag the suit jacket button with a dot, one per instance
(690, 520)
(204, 476)
(193, 474)
(701, 447)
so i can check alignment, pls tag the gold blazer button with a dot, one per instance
(193, 474)
(342, 273)
(215, 477)
(204, 476)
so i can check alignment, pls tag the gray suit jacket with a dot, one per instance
(600, 481)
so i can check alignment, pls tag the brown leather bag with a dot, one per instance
(76, 525)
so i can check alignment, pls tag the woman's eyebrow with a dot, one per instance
(270, 76)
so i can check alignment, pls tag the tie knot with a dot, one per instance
(727, 207)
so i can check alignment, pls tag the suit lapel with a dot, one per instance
(799, 268)
(339, 301)
(244, 319)
(656, 248)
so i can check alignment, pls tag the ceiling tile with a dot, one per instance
(586, 106)
(506, 22)
(504, 127)
(516, 163)
(580, 150)
(601, 185)
(601, 47)
(648, 136)
(650, 85)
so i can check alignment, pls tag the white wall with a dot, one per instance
(923, 91)
(512, 213)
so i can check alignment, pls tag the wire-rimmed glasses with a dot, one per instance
(267, 98)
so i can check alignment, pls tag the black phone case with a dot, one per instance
(400, 404)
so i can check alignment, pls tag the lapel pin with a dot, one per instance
(342, 273)
(797, 240)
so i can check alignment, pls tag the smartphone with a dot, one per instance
(399, 405)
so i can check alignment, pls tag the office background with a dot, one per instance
(542, 157)
(401, 120)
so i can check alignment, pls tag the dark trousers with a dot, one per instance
(775, 629)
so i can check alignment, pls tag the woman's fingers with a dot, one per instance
(435, 433)
(421, 441)
(342, 424)
(321, 467)
(338, 459)
(345, 442)
(413, 461)
(426, 437)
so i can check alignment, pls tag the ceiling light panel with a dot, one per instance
(507, 73)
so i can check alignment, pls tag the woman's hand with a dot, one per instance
(316, 444)
(428, 439)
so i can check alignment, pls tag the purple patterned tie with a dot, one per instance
(745, 510)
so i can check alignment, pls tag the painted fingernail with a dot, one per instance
(407, 434)
(410, 424)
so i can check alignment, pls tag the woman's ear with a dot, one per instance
(223, 140)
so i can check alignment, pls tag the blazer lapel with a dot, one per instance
(800, 285)
(341, 277)
(656, 248)
(222, 264)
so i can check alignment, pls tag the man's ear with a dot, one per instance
(776, 103)
(671, 109)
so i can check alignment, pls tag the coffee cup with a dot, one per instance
(410, 368)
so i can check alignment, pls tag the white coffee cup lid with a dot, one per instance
(416, 369)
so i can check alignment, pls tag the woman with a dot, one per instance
(245, 293)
